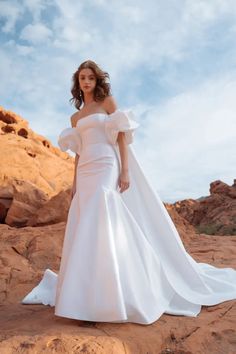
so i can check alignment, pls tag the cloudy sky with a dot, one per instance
(173, 62)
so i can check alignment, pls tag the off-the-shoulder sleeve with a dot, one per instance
(69, 139)
(121, 121)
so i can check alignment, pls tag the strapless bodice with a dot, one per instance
(92, 129)
(98, 128)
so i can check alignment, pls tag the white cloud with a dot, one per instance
(10, 12)
(24, 49)
(146, 50)
(36, 33)
(36, 7)
(190, 137)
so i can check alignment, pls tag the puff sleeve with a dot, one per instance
(121, 121)
(69, 139)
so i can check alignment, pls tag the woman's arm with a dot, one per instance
(110, 106)
(73, 190)
(124, 175)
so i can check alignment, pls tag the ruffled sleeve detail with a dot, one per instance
(69, 139)
(121, 121)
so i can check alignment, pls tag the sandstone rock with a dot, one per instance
(219, 187)
(31, 157)
(49, 213)
(185, 229)
(27, 199)
(215, 214)
(36, 177)
(7, 116)
(26, 252)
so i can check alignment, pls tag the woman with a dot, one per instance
(122, 259)
(94, 93)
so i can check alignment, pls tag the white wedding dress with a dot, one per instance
(122, 259)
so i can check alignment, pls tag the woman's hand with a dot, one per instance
(123, 181)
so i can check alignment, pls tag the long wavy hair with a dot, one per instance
(101, 90)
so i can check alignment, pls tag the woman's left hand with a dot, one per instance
(123, 181)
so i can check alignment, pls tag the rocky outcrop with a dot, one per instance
(185, 229)
(35, 178)
(27, 198)
(214, 214)
(24, 255)
(49, 213)
(39, 179)
(32, 172)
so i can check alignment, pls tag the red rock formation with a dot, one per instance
(42, 170)
(25, 203)
(214, 214)
(26, 252)
(185, 229)
(38, 178)
(29, 197)
(49, 213)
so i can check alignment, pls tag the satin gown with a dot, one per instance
(122, 258)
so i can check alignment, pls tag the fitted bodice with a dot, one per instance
(98, 128)
(92, 129)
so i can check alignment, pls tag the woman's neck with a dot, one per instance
(88, 100)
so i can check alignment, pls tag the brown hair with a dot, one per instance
(102, 88)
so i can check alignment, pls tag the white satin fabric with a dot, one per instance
(122, 259)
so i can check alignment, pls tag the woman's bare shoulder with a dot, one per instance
(110, 104)
(74, 117)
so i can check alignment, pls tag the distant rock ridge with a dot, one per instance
(214, 214)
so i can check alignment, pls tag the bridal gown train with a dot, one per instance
(122, 258)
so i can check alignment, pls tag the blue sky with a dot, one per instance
(172, 62)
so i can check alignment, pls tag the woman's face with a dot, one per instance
(87, 80)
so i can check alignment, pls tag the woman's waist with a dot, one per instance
(93, 156)
(97, 149)
(97, 145)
